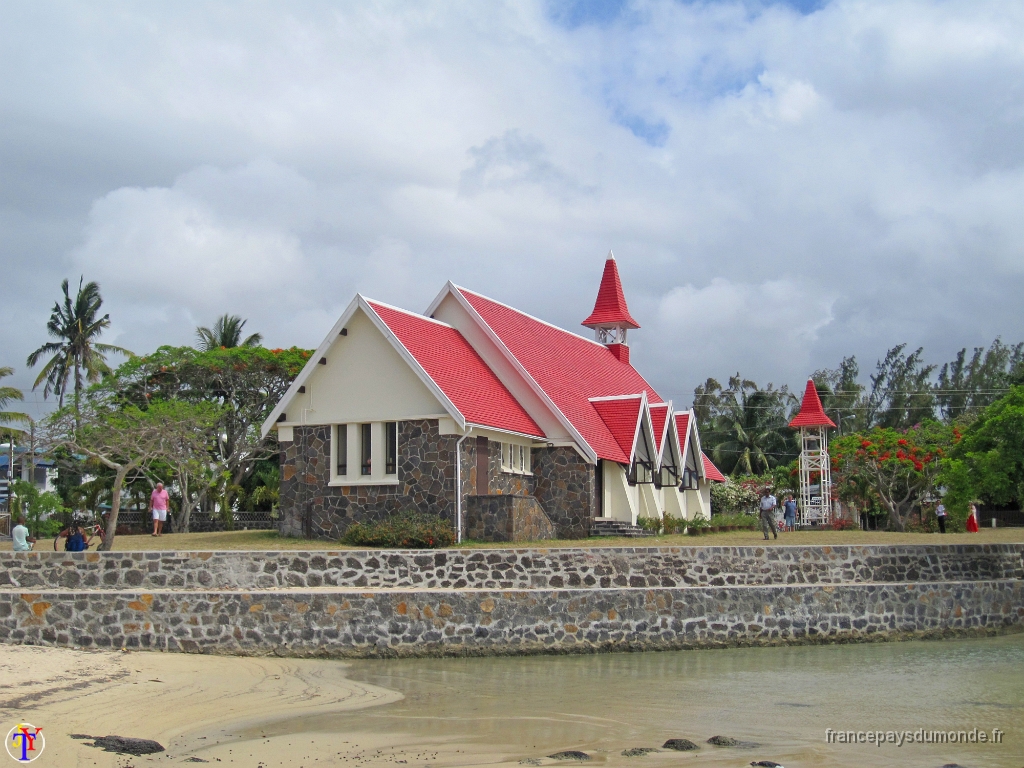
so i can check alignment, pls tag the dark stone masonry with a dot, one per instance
(507, 601)
(506, 518)
(561, 483)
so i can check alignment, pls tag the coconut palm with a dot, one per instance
(226, 333)
(7, 395)
(750, 431)
(76, 324)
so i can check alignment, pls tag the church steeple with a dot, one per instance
(610, 318)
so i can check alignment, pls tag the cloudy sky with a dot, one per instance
(783, 184)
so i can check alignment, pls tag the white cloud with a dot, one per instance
(272, 162)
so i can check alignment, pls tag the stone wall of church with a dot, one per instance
(312, 507)
(565, 486)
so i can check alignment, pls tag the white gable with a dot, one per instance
(365, 378)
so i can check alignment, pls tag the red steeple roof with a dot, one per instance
(811, 413)
(610, 307)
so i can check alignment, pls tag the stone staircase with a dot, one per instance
(605, 527)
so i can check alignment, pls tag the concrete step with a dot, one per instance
(602, 527)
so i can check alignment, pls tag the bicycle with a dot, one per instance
(89, 533)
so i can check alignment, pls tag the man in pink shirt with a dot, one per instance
(158, 503)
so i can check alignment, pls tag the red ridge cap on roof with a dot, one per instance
(459, 372)
(610, 307)
(711, 472)
(811, 413)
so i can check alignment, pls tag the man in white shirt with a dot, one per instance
(22, 541)
(768, 505)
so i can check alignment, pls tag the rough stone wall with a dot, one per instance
(503, 517)
(510, 568)
(565, 487)
(426, 481)
(471, 622)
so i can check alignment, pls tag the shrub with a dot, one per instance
(842, 524)
(732, 498)
(403, 530)
(673, 524)
(649, 524)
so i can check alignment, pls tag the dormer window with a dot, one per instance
(642, 468)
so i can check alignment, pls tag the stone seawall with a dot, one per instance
(507, 601)
(600, 567)
(476, 622)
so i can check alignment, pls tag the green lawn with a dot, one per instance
(269, 540)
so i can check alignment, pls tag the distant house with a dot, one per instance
(505, 424)
(38, 470)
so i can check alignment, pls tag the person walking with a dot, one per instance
(768, 505)
(19, 536)
(158, 502)
(972, 519)
(789, 513)
(940, 515)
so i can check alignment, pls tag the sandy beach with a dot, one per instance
(197, 707)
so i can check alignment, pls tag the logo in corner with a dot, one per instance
(25, 742)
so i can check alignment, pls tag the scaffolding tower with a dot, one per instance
(815, 465)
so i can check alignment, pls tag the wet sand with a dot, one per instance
(267, 712)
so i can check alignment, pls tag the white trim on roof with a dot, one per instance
(527, 314)
(589, 454)
(321, 351)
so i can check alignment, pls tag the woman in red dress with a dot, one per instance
(972, 520)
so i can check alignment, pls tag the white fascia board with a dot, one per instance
(411, 361)
(670, 439)
(694, 433)
(669, 415)
(588, 453)
(310, 366)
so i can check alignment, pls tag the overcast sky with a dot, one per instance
(783, 184)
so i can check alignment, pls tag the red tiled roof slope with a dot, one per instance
(458, 371)
(711, 472)
(811, 413)
(569, 368)
(659, 413)
(620, 416)
(610, 306)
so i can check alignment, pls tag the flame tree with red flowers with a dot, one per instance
(895, 468)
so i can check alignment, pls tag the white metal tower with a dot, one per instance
(815, 465)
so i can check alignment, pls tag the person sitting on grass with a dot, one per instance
(19, 535)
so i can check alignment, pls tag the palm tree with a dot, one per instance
(750, 431)
(226, 333)
(76, 325)
(8, 394)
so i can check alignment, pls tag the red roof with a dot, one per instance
(569, 368)
(621, 415)
(711, 472)
(659, 413)
(811, 413)
(459, 372)
(610, 308)
(682, 419)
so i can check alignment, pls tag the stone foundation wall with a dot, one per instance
(471, 622)
(565, 486)
(506, 518)
(309, 506)
(510, 568)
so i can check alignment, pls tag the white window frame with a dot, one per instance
(515, 458)
(354, 463)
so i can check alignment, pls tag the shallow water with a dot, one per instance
(782, 698)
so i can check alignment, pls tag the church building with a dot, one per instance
(506, 425)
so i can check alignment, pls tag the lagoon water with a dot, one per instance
(509, 709)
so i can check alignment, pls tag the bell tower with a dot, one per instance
(610, 318)
(815, 465)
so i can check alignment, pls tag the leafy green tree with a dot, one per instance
(967, 386)
(245, 383)
(127, 439)
(44, 511)
(226, 334)
(896, 467)
(987, 464)
(842, 395)
(901, 393)
(76, 354)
